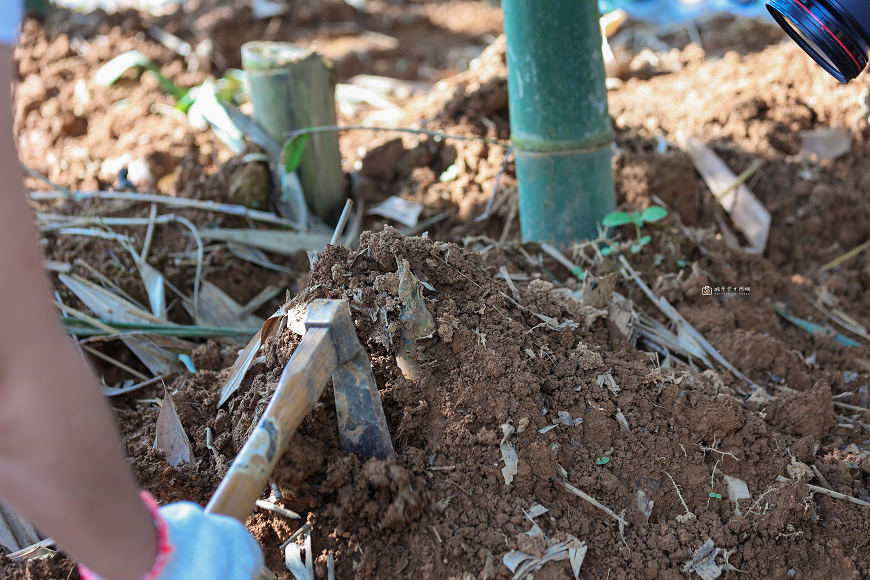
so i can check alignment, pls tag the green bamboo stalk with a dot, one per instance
(560, 125)
(293, 88)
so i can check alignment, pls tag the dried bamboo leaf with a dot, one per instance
(830, 143)
(246, 357)
(154, 286)
(217, 308)
(398, 209)
(293, 556)
(170, 434)
(745, 210)
(255, 256)
(508, 455)
(115, 309)
(23, 532)
(105, 304)
(285, 243)
(34, 551)
(114, 392)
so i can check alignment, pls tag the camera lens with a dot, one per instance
(835, 33)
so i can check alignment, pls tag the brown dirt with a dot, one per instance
(442, 509)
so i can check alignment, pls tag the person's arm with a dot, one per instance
(61, 464)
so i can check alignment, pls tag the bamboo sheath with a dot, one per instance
(301, 384)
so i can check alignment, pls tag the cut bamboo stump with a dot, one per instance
(294, 88)
(560, 126)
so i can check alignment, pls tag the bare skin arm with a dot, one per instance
(61, 465)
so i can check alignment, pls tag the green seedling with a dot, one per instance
(619, 218)
(716, 495)
(602, 461)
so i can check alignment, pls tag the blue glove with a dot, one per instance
(11, 10)
(194, 545)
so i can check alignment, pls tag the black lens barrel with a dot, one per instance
(836, 33)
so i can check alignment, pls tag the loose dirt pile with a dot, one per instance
(444, 508)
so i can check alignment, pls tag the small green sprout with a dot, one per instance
(619, 218)
(716, 495)
(449, 174)
(602, 461)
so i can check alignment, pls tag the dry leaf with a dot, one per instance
(648, 488)
(565, 418)
(826, 143)
(703, 562)
(745, 210)
(401, 210)
(508, 455)
(294, 555)
(737, 490)
(15, 532)
(218, 309)
(280, 242)
(246, 357)
(255, 256)
(597, 291)
(606, 380)
(113, 308)
(170, 434)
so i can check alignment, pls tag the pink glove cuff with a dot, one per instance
(164, 548)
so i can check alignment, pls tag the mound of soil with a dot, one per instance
(443, 509)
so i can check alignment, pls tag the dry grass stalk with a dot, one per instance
(180, 202)
(586, 497)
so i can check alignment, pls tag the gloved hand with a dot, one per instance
(194, 545)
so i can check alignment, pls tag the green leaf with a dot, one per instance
(653, 214)
(681, 263)
(606, 251)
(185, 102)
(450, 173)
(293, 150)
(616, 218)
(635, 248)
(636, 219)
(112, 70)
(165, 84)
(644, 240)
(602, 461)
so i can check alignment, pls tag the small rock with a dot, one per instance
(250, 184)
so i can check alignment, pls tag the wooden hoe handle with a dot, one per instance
(299, 389)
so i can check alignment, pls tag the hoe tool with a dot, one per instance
(329, 348)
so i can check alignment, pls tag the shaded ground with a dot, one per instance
(444, 510)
